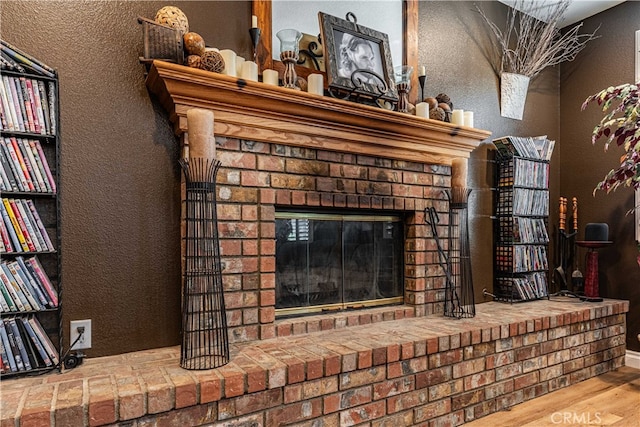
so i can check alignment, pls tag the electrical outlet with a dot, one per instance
(85, 340)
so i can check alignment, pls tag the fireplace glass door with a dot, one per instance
(330, 262)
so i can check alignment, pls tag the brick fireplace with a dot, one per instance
(283, 150)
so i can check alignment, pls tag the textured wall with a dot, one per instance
(607, 61)
(120, 180)
(455, 47)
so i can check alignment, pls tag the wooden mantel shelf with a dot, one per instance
(259, 112)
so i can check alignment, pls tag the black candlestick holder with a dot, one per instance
(422, 80)
(255, 40)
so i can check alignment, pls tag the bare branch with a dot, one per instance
(529, 45)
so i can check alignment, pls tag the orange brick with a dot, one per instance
(234, 380)
(267, 196)
(102, 405)
(267, 314)
(131, 397)
(68, 402)
(393, 387)
(38, 407)
(271, 163)
(295, 412)
(292, 393)
(159, 391)
(393, 352)
(267, 247)
(229, 247)
(249, 247)
(298, 198)
(238, 159)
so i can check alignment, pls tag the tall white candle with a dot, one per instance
(315, 84)
(249, 71)
(200, 133)
(270, 77)
(254, 21)
(423, 71)
(239, 62)
(457, 117)
(468, 118)
(422, 109)
(459, 172)
(229, 57)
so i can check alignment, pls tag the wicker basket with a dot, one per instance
(160, 42)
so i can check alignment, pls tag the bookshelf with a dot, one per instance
(30, 269)
(521, 219)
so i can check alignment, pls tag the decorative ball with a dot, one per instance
(194, 61)
(212, 61)
(302, 84)
(193, 43)
(412, 109)
(444, 106)
(173, 17)
(443, 97)
(437, 114)
(433, 103)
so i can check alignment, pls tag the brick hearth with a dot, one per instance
(423, 371)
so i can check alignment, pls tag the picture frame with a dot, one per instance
(357, 60)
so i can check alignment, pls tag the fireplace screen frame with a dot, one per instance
(335, 297)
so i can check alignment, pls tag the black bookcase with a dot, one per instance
(521, 229)
(30, 334)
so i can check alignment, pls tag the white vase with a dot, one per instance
(513, 95)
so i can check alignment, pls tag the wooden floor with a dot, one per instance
(612, 399)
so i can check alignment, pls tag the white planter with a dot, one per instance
(513, 95)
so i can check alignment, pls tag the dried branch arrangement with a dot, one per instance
(529, 45)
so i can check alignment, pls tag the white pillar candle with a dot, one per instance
(422, 109)
(229, 57)
(270, 77)
(457, 117)
(315, 84)
(239, 62)
(423, 71)
(459, 172)
(200, 133)
(468, 118)
(249, 71)
(254, 21)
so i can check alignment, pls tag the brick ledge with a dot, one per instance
(129, 386)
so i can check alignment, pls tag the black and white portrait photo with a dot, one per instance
(358, 59)
(357, 53)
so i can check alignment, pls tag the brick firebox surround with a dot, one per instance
(388, 366)
(266, 177)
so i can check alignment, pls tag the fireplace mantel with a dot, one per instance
(259, 112)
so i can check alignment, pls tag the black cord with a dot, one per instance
(80, 335)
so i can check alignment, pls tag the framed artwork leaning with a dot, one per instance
(357, 60)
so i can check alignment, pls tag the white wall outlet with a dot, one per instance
(85, 340)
